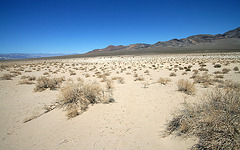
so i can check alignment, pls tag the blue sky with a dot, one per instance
(78, 26)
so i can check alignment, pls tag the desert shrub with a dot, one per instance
(186, 86)
(195, 71)
(218, 72)
(236, 68)
(29, 78)
(45, 73)
(75, 98)
(184, 73)
(7, 76)
(72, 111)
(43, 83)
(109, 84)
(3, 66)
(203, 69)
(16, 73)
(32, 78)
(139, 79)
(119, 79)
(219, 76)
(217, 66)
(87, 75)
(172, 74)
(147, 71)
(225, 70)
(135, 75)
(104, 78)
(72, 73)
(28, 70)
(163, 81)
(202, 65)
(228, 84)
(215, 120)
(180, 68)
(24, 77)
(204, 78)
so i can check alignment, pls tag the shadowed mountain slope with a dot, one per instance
(195, 40)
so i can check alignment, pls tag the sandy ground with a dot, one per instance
(137, 118)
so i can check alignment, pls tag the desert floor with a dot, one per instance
(136, 120)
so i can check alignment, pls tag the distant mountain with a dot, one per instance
(26, 56)
(176, 43)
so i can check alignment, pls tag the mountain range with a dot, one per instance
(177, 43)
(201, 43)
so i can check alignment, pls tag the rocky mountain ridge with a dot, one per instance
(191, 40)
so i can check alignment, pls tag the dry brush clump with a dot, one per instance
(120, 80)
(139, 78)
(27, 80)
(75, 97)
(215, 120)
(202, 79)
(236, 68)
(109, 85)
(217, 66)
(186, 86)
(43, 83)
(7, 76)
(172, 74)
(163, 81)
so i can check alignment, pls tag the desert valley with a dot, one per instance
(119, 102)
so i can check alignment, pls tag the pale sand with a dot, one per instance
(136, 120)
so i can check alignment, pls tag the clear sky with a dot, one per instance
(78, 26)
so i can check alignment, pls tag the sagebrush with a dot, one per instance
(215, 120)
(75, 97)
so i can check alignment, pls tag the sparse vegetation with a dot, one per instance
(7, 76)
(236, 68)
(215, 121)
(225, 70)
(119, 79)
(217, 66)
(43, 83)
(163, 81)
(186, 86)
(172, 74)
(75, 98)
(139, 79)
(109, 85)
